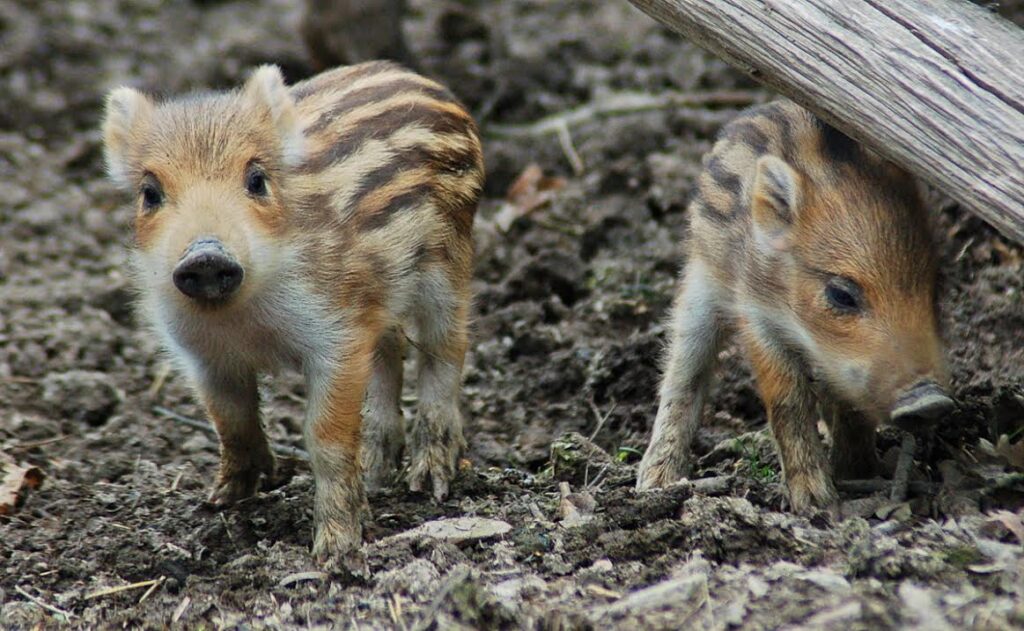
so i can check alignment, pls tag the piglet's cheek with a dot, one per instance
(146, 228)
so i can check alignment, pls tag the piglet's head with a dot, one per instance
(854, 242)
(209, 177)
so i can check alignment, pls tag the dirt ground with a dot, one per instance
(570, 300)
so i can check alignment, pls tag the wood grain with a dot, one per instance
(935, 85)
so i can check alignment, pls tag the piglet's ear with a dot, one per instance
(266, 88)
(127, 112)
(775, 202)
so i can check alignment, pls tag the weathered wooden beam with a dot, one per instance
(937, 86)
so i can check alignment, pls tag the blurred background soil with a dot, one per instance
(577, 259)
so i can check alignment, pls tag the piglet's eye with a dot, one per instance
(256, 181)
(844, 295)
(151, 193)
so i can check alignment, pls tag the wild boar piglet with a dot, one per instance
(314, 226)
(819, 253)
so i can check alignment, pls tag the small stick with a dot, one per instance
(901, 477)
(630, 103)
(180, 611)
(163, 371)
(601, 419)
(67, 614)
(282, 450)
(152, 589)
(37, 443)
(565, 139)
(122, 588)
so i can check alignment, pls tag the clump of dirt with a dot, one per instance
(560, 387)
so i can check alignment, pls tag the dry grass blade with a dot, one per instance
(60, 612)
(107, 591)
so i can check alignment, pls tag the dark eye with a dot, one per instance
(844, 295)
(152, 195)
(256, 182)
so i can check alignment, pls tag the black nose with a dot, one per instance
(923, 404)
(207, 273)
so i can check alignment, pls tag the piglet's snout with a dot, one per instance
(207, 272)
(923, 404)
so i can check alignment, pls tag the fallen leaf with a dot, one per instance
(1013, 454)
(530, 191)
(1011, 521)
(575, 509)
(16, 479)
(458, 529)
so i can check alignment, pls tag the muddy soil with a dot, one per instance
(570, 300)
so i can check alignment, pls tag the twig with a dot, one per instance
(282, 450)
(19, 379)
(152, 589)
(901, 477)
(107, 591)
(631, 103)
(565, 139)
(162, 372)
(36, 443)
(299, 577)
(180, 610)
(601, 419)
(60, 612)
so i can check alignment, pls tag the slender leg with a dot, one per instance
(333, 437)
(696, 335)
(436, 436)
(232, 402)
(384, 435)
(792, 414)
(853, 452)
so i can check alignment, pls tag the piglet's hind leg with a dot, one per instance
(384, 425)
(436, 435)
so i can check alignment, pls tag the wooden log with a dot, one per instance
(937, 86)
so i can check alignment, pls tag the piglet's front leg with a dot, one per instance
(232, 403)
(333, 438)
(792, 414)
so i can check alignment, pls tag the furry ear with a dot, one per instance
(127, 110)
(266, 88)
(775, 202)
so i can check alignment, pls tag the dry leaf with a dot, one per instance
(16, 479)
(531, 190)
(575, 508)
(1014, 454)
(1011, 521)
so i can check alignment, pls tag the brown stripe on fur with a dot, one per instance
(749, 133)
(316, 84)
(709, 212)
(415, 158)
(437, 120)
(376, 93)
(386, 207)
(782, 120)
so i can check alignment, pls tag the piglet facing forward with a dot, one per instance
(315, 227)
(819, 253)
